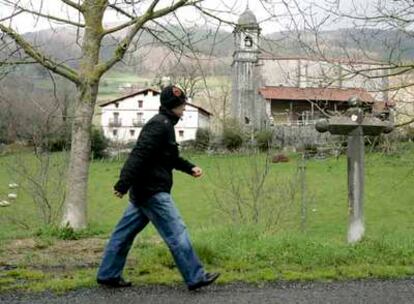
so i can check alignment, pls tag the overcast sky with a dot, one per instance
(272, 15)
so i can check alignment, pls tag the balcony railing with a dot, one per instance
(115, 122)
(138, 122)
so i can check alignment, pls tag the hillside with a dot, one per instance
(374, 44)
(161, 45)
(164, 52)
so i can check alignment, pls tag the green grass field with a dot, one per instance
(110, 83)
(250, 249)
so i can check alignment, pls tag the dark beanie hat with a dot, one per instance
(172, 97)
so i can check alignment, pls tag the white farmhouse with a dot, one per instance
(123, 118)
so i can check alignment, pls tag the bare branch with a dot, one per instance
(73, 5)
(121, 11)
(204, 11)
(48, 63)
(133, 19)
(120, 27)
(11, 16)
(150, 14)
(17, 62)
(50, 17)
(404, 123)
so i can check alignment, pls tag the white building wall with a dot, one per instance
(203, 121)
(125, 128)
(186, 127)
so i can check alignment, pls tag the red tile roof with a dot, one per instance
(322, 94)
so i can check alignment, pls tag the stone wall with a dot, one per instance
(301, 135)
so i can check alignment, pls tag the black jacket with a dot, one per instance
(148, 169)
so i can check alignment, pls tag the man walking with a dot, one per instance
(147, 175)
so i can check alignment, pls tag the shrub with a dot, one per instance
(264, 139)
(250, 194)
(99, 143)
(202, 140)
(189, 144)
(233, 136)
(59, 144)
(408, 133)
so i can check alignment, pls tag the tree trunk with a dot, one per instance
(75, 208)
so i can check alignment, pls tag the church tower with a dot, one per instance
(247, 107)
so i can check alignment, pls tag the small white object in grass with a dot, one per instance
(13, 186)
(4, 204)
(314, 210)
(12, 195)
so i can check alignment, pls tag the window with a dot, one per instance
(114, 132)
(139, 121)
(181, 133)
(248, 41)
(115, 121)
(117, 105)
(116, 118)
(140, 103)
(132, 133)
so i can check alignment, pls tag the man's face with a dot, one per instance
(179, 111)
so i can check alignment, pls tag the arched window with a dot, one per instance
(248, 41)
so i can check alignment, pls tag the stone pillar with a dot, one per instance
(356, 152)
(355, 125)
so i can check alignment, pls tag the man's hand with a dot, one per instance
(118, 194)
(197, 172)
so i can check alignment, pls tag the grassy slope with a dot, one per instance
(246, 252)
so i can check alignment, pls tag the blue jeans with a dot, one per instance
(160, 210)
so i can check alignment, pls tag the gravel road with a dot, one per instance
(352, 292)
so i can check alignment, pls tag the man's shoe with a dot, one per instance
(114, 283)
(208, 279)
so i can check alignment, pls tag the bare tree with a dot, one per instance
(245, 191)
(372, 41)
(219, 103)
(40, 122)
(89, 22)
(188, 76)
